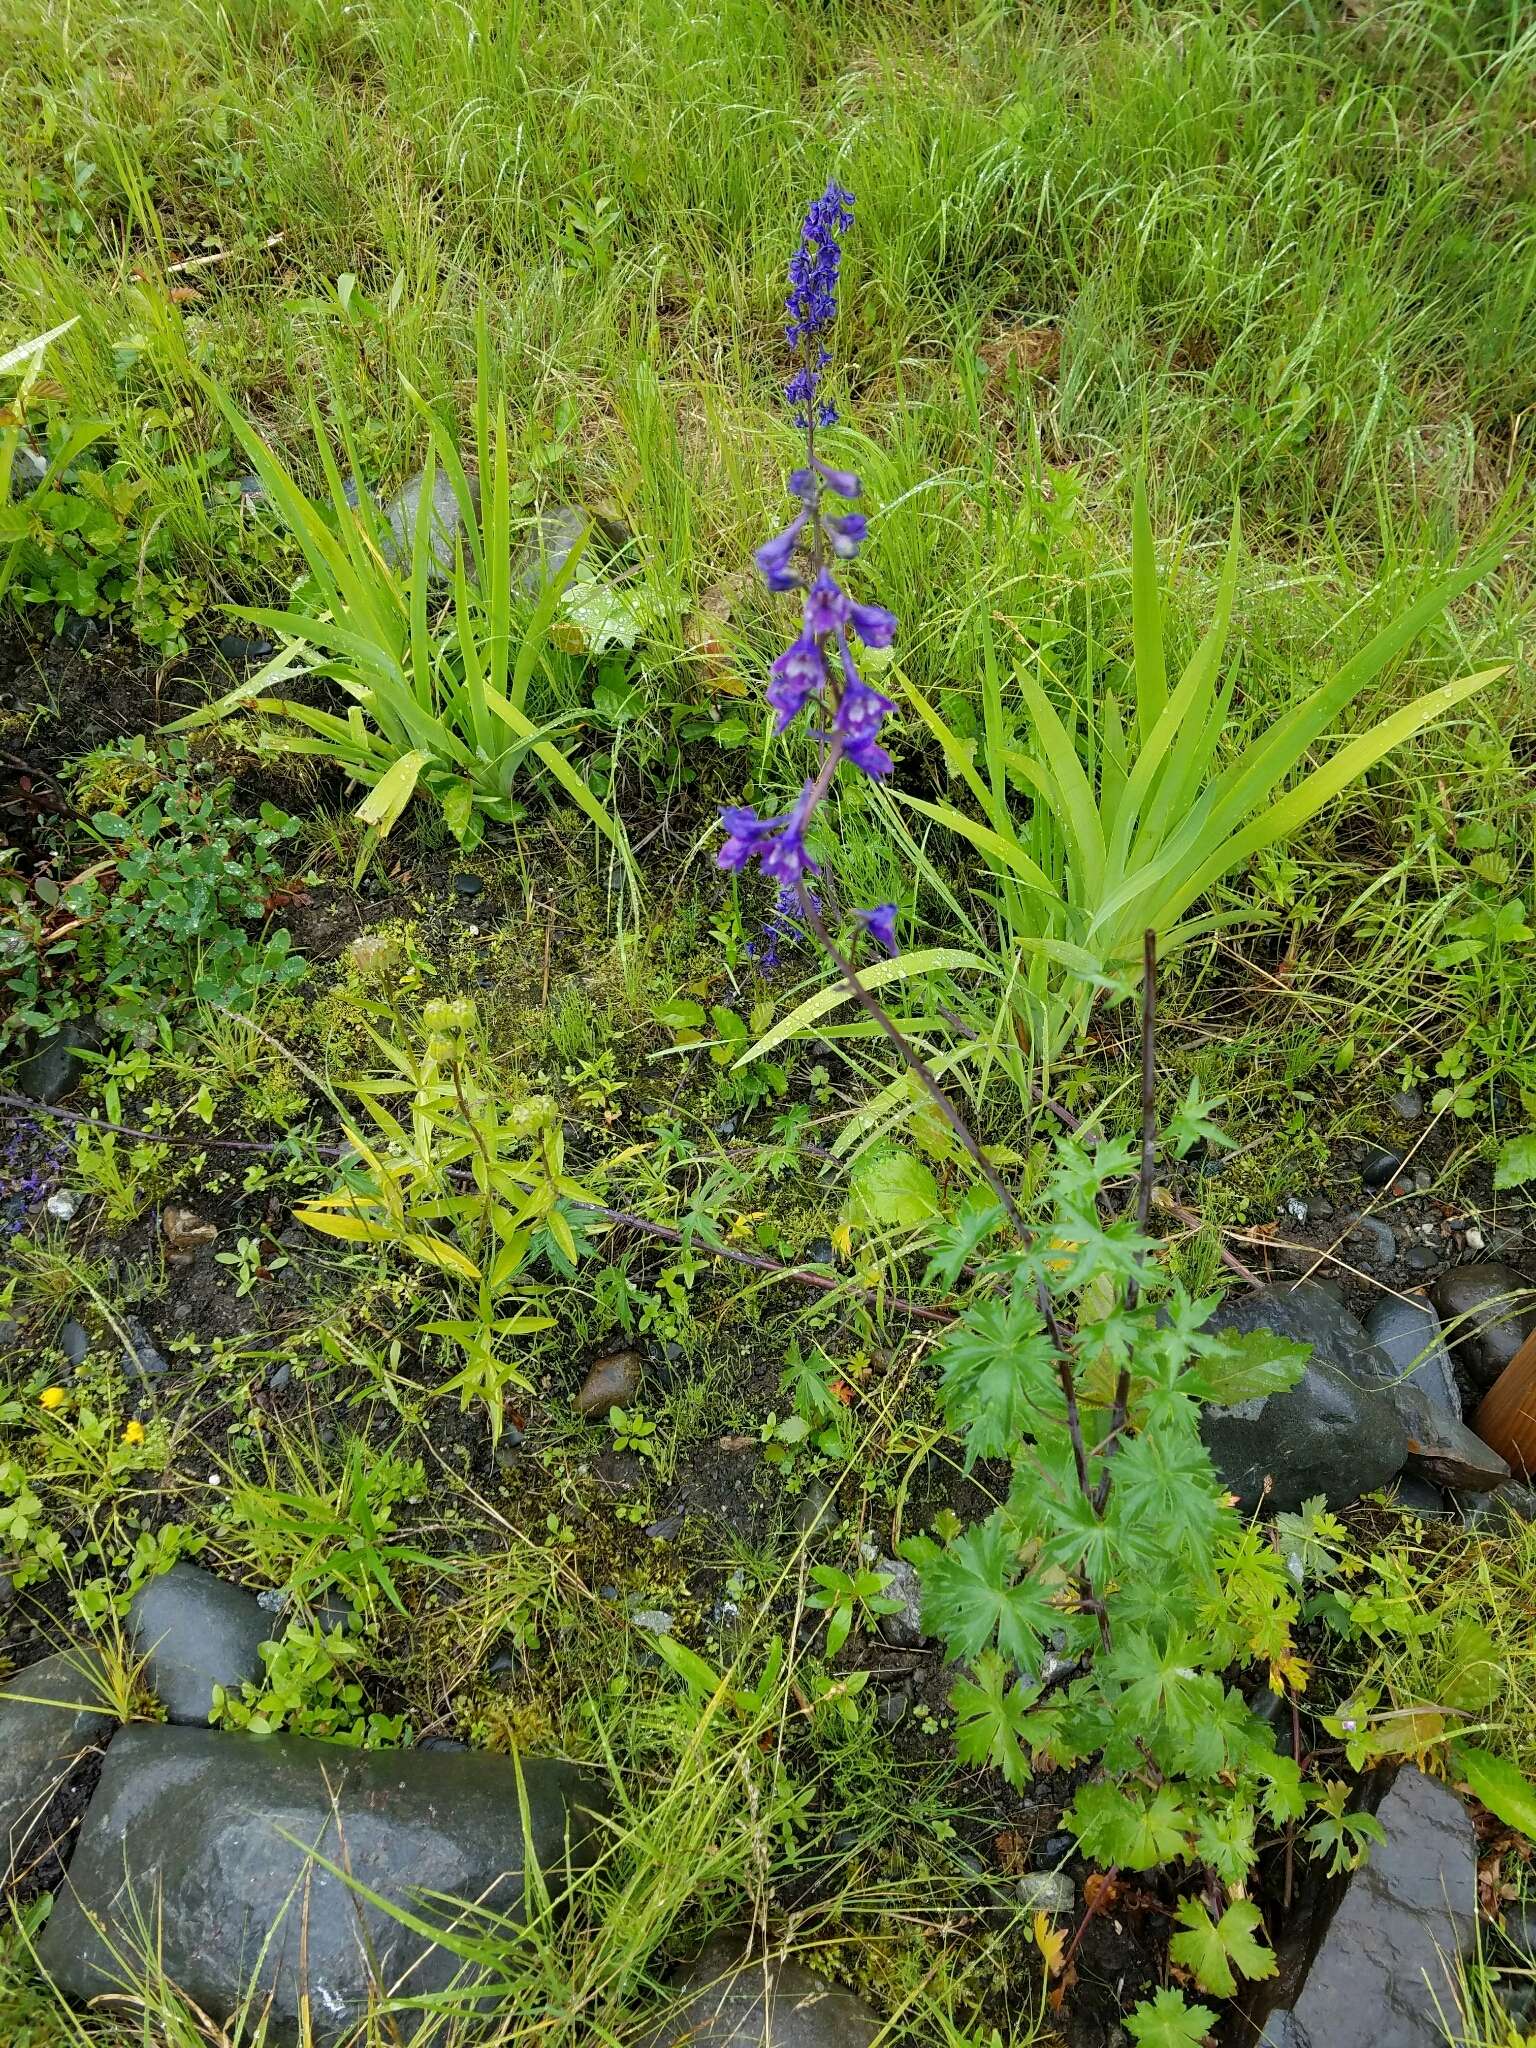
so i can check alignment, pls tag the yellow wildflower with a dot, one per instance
(53, 1397)
(133, 1433)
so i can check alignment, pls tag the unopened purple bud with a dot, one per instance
(842, 481)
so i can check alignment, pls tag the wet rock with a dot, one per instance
(1504, 1512)
(1381, 1236)
(1489, 1311)
(1409, 1332)
(667, 1529)
(1389, 1952)
(1408, 1104)
(1380, 1167)
(814, 1510)
(446, 521)
(468, 884)
(613, 1382)
(726, 2000)
(196, 1631)
(1047, 1891)
(1420, 1259)
(903, 1629)
(1453, 1455)
(50, 1715)
(245, 650)
(547, 548)
(1421, 1497)
(1337, 1432)
(52, 1071)
(1057, 1848)
(894, 1705)
(74, 1343)
(280, 1378)
(141, 1361)
(213, 1828)
(1319, 1208)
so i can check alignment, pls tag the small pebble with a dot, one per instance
(63, 1204)
(667, 1530)
(1381, 1234)
(1408, 1104)
(1047, 1891)
(74, 1343)
(280, 1378)
(894, 1707)
(1420, 1259)
(1423, 1179)
(1319, 1208)
(1296, 1208)
(1475, 1241)
(655, 1620)
(612, 1382)
(467, 884)
(1381, 1167)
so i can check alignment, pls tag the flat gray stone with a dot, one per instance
(1452, 1455)
(1391, 1949)
(200, 1833)
(730, 2002)
(1338, 1432)
(196, 1632)
(50, 1716)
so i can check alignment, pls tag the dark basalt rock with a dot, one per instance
(198, 1834)
(1390, 1949)
(52, 1071)
(1409, 1332)
(1489, 1311)
(1338, 1432)
(197, 1632)
(50, 1716)
(731, 2002)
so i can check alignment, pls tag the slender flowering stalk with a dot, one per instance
(819, 662)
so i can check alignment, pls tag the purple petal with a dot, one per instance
(875, 626)
(774, 556)
(842, 481)
(880, 923)
(826, 605)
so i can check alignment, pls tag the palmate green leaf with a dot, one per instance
(1169, 2021)
(1130, 1829)
(1000, 1379)
(991, 1717)
(1218, 1952)
(891, 1189)
(971, 1596)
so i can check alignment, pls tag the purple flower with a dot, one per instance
(880, 923)
(774, 556)
(859, 716)
(846, 534)
(826, 605)
(746, 834)
(777, 843)
(812, 300)
(799, 672)
(875, 626)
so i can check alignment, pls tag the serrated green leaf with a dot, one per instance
(1120, 1827)
(891, 1189)
(1169, 2021)
(1218, 1952)
(1248, 1365)
(1516, 1163)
